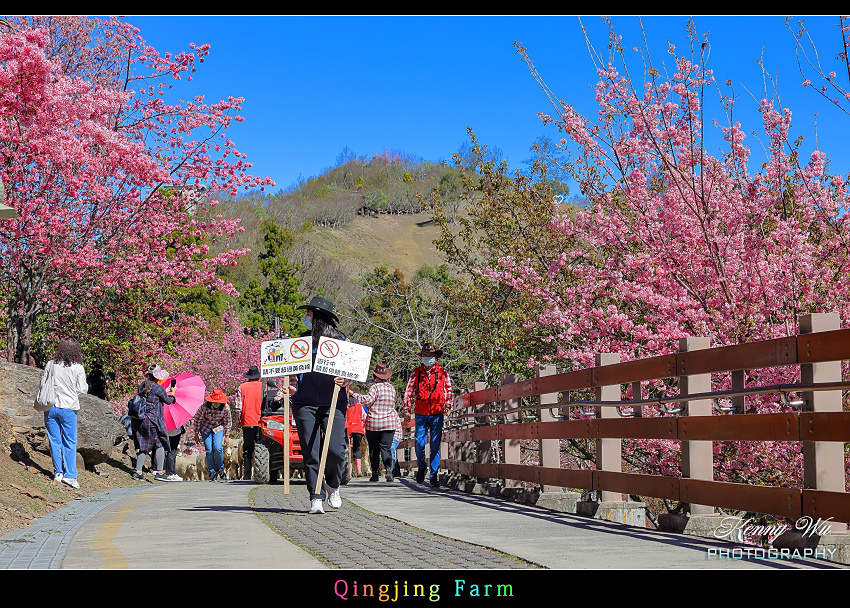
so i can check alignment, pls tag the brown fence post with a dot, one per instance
(823, 461)
(483, 449)
(552, 497)
(609, 452)
(611, 505)
(511, 447)
(550, 449)
(467, 448)
(697, 456)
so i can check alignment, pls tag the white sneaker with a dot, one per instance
(316, 506)
(174, 477)
(71, 482)
(334, 499)
(57, 477)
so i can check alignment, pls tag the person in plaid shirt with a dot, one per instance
(429, 393)
(212, 424)
(381, 420)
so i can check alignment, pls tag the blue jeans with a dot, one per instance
(394, 453)
(425, 426)
(61, 427)
(214, 446)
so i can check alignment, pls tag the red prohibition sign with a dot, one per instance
(299, 349)
(330, 350)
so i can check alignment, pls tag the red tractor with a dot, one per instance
(268, 451)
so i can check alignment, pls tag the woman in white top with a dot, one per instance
(69, 379)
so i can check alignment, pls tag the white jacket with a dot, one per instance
(68, 382)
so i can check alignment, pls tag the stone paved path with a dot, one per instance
(354, 538)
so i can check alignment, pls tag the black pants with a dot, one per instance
(311, 422)
(171, 454)
(380, 450)
(356, 441)
(249, 439)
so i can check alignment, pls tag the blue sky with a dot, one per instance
(316, 85)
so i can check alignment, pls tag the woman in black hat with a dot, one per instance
(249, 406)
(311, 400)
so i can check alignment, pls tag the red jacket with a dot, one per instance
(354, 418)
(429, 391)
(249, 399)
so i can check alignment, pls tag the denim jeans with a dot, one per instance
(61, 427)
(394, 451)
(214, 446)
(425, 426)
(396, 470)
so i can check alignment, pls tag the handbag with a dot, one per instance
(46, 397)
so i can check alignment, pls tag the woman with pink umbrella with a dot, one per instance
(189, 391)
(150, 431)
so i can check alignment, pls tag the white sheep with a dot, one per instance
(201, 466)
(233, 458)
(185, 466)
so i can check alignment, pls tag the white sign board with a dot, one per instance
(286, 357)
(343, 359)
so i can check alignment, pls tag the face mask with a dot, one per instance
(428, 360)
(308, 323)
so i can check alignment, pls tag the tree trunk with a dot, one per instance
(19, 334)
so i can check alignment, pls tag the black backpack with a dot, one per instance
(137, 407)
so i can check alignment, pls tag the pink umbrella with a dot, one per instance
(189, 395)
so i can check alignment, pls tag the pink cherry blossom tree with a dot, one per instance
(678, 242)
(104, 174)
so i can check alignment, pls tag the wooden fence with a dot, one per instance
(695, 417)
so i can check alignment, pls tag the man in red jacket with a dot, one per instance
(429, 393)
(249, 404)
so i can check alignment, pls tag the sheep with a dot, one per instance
(201, 466)
(233, 458)
(185, 466)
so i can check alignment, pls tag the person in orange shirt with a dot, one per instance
(249, 403)
(356, 432)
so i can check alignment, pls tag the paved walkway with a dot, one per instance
(400, 525)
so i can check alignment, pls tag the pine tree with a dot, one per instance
(279, 296)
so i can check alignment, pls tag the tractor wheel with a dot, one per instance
(261, 471)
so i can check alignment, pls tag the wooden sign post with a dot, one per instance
(283, 358)
(341, 360)
(286, 441)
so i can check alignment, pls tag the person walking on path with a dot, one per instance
(356, 433)
(150, 431)
(249, 406)
(381, 420)
(60, 421)
(311, 401)
(429, 394)
(212, 424)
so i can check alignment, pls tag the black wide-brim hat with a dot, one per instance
(252, 373)
(318, 303)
